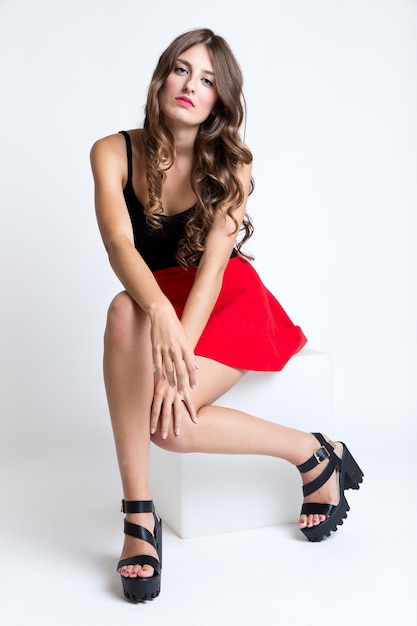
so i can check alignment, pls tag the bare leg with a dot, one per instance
(228, 431)
(129, 385)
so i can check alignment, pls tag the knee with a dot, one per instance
(175, 443)
(123, 318)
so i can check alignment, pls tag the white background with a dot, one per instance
(332, 100)
(331, 93)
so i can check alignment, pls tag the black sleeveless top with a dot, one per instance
(157, 246)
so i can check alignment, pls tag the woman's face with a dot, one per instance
(189, 93)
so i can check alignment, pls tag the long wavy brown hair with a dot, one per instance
(218, 149)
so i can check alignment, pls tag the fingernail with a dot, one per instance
(177, 431)
(153, 430)
(164, 435)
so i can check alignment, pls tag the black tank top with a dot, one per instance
(157, 246)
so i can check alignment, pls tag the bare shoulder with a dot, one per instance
(110, 151)
(108, 159)
(110, 146)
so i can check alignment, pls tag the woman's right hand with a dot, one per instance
(170, 407)
(173, 357)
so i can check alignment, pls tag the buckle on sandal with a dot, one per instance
(321, 454)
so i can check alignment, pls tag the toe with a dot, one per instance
(146, 571)
(134, 571)
(125, 570)
(303, 521)
(137, 571)
(308, 521)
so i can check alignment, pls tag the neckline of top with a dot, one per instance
(129, 183)
(175, 214)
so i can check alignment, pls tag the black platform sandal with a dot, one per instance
(350, 475)
(141, 589)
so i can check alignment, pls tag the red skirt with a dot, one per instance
(248, 328)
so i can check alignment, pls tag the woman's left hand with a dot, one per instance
(170, 407)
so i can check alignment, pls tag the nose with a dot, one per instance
(189, 86)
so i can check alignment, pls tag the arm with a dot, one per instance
(172, 352)
(199, 305)
(209, 277)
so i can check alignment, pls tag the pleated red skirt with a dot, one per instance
(248, 328)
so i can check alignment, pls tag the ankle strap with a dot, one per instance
(137, 506)
(320, 455)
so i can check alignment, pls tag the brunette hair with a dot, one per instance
(218, 149)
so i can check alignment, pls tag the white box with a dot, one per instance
(201, 494)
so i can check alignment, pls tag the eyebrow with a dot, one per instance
(188, 64)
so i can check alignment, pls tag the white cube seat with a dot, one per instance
(201, 494)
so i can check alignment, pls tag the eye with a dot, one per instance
(207, 82)
(180, 70)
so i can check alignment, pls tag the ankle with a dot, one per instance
(134, 517)
(305, 447)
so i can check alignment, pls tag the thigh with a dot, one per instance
(213, 380)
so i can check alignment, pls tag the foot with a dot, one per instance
(136, 547)
(328, 493)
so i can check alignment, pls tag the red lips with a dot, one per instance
(185, 101)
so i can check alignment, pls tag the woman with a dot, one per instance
(194, 316)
